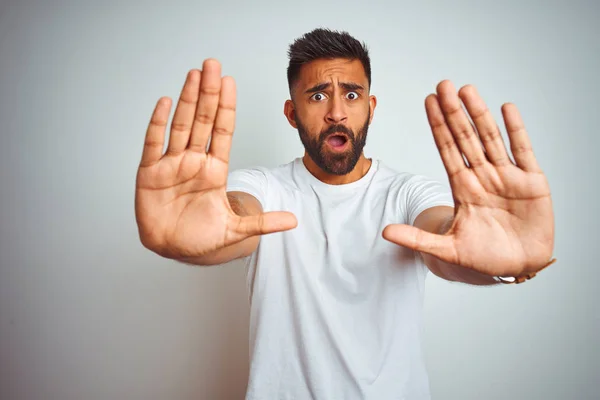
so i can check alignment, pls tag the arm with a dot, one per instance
(438, 220)
(243, 204)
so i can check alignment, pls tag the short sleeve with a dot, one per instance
(423, 193)
(250, 180)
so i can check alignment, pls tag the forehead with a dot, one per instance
(332, 70)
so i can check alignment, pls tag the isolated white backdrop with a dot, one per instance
(87, 313)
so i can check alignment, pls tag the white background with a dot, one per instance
(87, 313)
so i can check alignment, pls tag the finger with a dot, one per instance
(184, 113)
(222, 135)
(459, 124)
(489, 134)
(440, 246)
(269, 222)
(520, 145)
(451, 156)
(155, 134)
(208, 101)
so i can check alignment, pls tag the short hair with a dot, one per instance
(322, 43)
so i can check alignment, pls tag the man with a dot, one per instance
(337, 246)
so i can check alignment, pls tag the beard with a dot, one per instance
(328, 161)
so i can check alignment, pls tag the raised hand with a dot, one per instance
(181, 202)
(503, 223)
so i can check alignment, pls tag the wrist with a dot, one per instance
(522, 278)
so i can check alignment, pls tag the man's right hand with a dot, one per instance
(181, 204)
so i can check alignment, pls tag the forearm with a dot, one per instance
(453, 272)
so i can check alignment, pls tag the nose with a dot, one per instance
(337, 112)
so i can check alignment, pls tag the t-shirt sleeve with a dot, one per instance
(249, 180)
(423, 193)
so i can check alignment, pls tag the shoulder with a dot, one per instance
(282, 173)
(259, 180)
(397, 180)
(416, 192)
(276, 172)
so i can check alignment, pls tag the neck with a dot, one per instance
(360, 169)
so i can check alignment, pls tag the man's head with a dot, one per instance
(329, 77)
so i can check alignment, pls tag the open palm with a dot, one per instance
(181, 204)
(503, 220)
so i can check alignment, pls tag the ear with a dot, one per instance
(290, 113)
(372, 105)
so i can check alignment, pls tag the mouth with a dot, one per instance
(337, 141)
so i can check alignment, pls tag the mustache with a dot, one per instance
(337, 129)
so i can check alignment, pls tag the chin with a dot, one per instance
(338, 166)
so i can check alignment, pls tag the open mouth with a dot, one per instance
(337, 141)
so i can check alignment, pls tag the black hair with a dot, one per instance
(324, 43)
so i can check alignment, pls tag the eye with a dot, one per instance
(352, 96)
(318, 97)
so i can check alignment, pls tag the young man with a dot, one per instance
(337, 245)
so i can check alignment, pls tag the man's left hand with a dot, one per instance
(503, 219)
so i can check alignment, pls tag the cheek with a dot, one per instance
(312, 123)
(359, 118)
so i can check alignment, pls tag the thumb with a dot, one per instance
(265, 223)
(440, 246)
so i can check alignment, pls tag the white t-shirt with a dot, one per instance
(336, 310)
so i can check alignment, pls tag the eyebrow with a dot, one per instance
(344, 85)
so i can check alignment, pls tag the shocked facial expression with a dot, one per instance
(332, 110)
